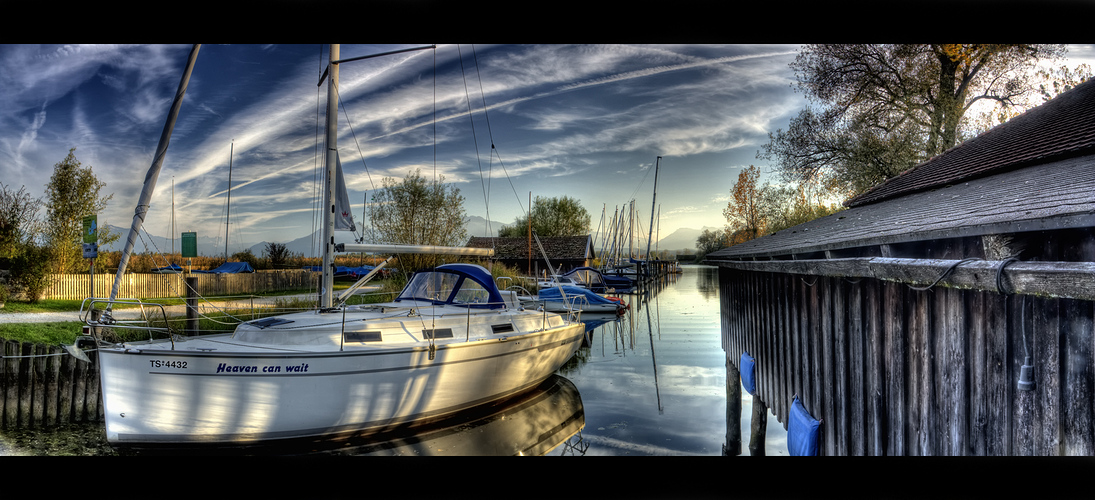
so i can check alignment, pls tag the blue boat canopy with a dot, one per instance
(468, 285)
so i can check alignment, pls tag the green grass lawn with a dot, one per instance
(63, 332)
(66, 332)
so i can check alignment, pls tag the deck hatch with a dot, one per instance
(266, 322)
(373, 336)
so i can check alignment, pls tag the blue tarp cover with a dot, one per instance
(359, 271)
(340, 271)
(802, 431)
(748, 380)
(572, 291)
(230, 267)
(173, 268)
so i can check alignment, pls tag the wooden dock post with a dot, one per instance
(732, 447)
(758, 427)
(191, 305)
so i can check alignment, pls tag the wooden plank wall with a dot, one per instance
(141, 285)
(892, 370)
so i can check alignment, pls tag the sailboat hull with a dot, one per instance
(156, 393)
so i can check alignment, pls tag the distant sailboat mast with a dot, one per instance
(228, 208)
(653, 205)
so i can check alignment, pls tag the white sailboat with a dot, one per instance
(450, 341)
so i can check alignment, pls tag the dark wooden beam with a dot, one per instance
(1073, 280)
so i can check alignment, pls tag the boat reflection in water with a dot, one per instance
(546, 418)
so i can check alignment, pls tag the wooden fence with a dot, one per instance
(43, 386)
(895, 370)
(140, 285)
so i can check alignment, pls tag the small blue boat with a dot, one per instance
(580, 299)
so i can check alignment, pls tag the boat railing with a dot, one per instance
(96, 317)
(520, 290)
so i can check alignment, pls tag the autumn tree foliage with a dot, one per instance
(757, 209)
(744, 212)
(877, 110)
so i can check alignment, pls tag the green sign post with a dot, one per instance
(190, 244)
(91, 248)
(90, 229)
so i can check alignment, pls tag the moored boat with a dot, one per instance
(448, 342)
(565, 298)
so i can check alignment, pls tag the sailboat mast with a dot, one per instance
(327, 286)
(172, 220)
(228, 207)
(653, 205)
(153, 173)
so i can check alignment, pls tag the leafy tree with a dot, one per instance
(881, 109)
(710, 241)
(417, 211)
(1061, 79)
(1054, 81)
(72, 193)
(19, 224)
(277, 255)
(559, 216)
(30, 271)
(246, 256)
(786, 207)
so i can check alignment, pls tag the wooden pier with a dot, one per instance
(893, 370)
(947, 311)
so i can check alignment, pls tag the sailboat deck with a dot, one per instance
(382, 327)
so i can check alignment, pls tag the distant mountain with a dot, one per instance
(682, 239)
(207, 245)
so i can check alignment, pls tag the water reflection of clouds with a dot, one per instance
(654, 383)
(613, 447)
(694, 380)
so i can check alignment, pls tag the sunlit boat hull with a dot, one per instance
(218, 390)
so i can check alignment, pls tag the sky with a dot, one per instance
(584, 121)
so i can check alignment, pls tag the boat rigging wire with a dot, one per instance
(471, 120)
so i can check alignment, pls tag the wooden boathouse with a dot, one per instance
(564, 252)
(949, 311)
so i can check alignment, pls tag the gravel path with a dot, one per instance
(133, 313)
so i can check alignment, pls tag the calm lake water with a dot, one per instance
(650, 383)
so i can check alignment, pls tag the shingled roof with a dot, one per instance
(1034, 172)
(558, 247)
(1064, 127)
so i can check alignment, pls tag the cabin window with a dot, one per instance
(431, 286)
(362, 336)
(504, 328)
(471, 293)
(440, 333)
